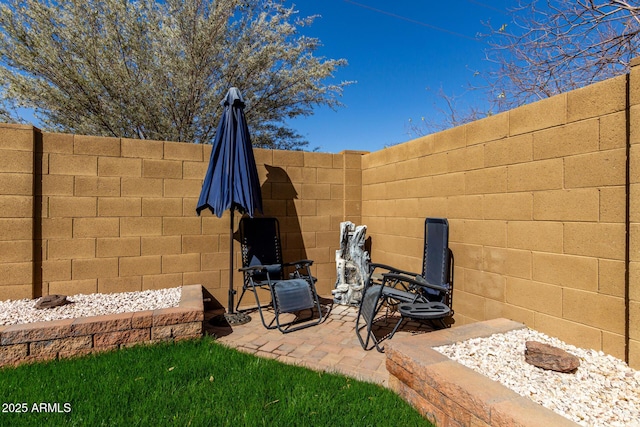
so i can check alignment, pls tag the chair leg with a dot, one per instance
(369, 336)
(259, 307)
(244, 289)
(369, 318)
(442, 323)
(286, 327)
(395, 328)
(381, 303)
(363, 343)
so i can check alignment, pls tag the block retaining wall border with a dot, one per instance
(450, 394)
(58, 339)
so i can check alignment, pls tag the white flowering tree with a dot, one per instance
(158, 70)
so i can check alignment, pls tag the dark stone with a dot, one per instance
(51, 301)
(229, 319)
(551, 358)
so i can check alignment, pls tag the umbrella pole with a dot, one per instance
(231, 317)
(231, 291)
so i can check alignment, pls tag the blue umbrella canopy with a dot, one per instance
(231, 182)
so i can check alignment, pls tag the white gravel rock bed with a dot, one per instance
(24, 311)
(603, 392)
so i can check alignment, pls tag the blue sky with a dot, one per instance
(400, 53)
(396, 50)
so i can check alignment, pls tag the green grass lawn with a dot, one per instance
(192, 383)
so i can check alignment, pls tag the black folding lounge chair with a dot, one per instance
(426, 296)
(291, 285)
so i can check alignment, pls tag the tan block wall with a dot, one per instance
(535, 199)
(634, 214)
(18, 161)
(114, 215)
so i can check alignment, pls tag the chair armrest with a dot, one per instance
(374, 265)
(298, 264)
(253, 269)
(391, 269)
(416, 280)
(378, 277)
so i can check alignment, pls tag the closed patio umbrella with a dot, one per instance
(231, 181)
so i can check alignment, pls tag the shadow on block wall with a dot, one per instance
(279, 195)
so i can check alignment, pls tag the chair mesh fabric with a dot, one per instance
(261, 246)
(369, 303)
(436, 257)
(416, 299)
(260, 240)
(293, 295)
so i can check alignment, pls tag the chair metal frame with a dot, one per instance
(425, 296)
(263, 268)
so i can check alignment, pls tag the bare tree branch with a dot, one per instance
(546, 48)
(559, 45)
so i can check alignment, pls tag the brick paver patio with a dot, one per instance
(331, 346)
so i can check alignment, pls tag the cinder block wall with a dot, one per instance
(87, 214)
(535, 199)
(18, 208)
(634, 214)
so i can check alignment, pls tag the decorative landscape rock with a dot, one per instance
(87, 305)
(102, 322)
(604, 391)
(51, 301)
(352, 264)
(551, 358)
